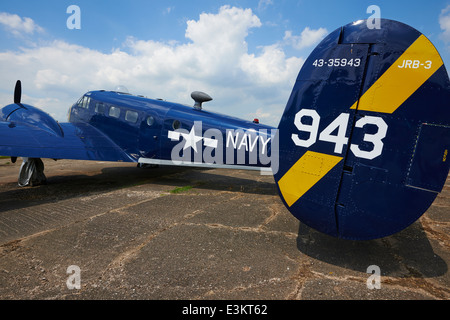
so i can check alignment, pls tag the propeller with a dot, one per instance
(18, 92)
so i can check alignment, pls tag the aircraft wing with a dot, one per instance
(77, 141)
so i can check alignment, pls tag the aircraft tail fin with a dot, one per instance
(365, 135)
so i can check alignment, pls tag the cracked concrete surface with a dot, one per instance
(228, 237)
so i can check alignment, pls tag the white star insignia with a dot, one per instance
(191, 139)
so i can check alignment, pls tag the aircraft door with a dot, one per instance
(150, 136)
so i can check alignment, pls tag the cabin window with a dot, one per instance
(114, 112)
(131, 116)
(150, 121)
(100, 108)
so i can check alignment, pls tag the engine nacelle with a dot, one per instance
(23, 113)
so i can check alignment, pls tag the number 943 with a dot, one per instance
(339, 127)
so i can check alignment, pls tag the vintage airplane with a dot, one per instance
(361, 150)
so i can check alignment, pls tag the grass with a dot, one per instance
(5, 157)
(181, 189)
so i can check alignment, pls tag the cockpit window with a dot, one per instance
(85, 103)
(131, 116)
(80, 102)
(114, 112)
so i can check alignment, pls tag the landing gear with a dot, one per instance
(32, 172)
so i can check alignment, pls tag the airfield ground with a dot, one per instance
(185, 233)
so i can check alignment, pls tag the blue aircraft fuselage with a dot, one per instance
(146, 129)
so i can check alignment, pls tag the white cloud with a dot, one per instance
(215, 59)
(307, 38)
(271, 67)
(444, 22)
(263, 4)
(19, 26)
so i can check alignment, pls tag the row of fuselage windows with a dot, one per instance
(113, 111)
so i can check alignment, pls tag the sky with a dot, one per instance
(245, 54)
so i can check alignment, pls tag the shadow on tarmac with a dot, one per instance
(408, 252)
(66, 186)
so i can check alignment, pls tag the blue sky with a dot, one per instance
(165, 49)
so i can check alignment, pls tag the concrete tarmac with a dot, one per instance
(122, 232)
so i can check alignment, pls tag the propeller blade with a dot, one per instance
(17, 92)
